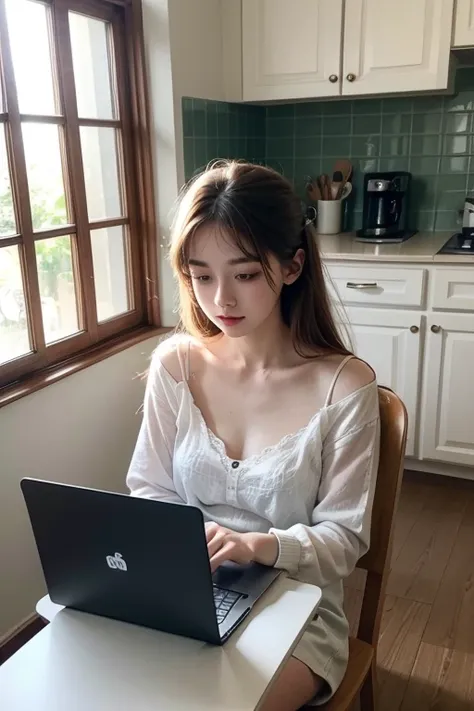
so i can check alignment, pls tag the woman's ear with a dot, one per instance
(292, 271)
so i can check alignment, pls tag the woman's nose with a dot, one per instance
(224, 297)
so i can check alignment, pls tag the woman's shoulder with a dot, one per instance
(173, 353)
(354, 401)
(354, 376)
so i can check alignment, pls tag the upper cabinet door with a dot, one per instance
(464, 24)
(396, 46)
(291, 48)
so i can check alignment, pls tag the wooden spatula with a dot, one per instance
(336, 181)
(344, 166)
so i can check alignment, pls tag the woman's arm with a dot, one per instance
(329, 550)
(151, 469)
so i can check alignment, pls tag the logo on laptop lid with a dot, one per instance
(116, 562)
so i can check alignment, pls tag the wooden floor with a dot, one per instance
(426, 648)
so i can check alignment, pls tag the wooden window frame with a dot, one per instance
(95, 340)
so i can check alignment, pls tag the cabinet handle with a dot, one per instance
(351, 77)
(361, 285)
(333, 78)
(435, 328)
(414, 329)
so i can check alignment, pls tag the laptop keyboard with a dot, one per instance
(224, 601)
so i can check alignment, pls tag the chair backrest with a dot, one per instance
(393, 435)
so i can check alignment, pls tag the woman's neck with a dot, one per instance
(268, 347)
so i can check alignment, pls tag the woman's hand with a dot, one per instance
(224, 544)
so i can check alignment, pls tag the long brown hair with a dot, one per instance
(261, 211)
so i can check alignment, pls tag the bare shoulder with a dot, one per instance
(173, 353)
(170, 353)
(354, 375)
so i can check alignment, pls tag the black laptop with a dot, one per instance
(138, 560)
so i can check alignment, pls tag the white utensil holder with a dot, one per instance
(329, 216)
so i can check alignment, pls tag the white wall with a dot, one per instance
(80, 430)
(184, 52)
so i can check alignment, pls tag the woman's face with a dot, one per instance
(231, 289)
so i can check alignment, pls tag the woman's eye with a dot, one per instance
(246, 277)
(203, 278)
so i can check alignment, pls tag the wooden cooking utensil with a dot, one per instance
(345, 167)
(314, 191)
(326, 187)
(320, 185)
(336, 184)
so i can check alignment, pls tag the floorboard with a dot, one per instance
(425, 659)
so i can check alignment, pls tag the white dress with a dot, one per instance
(313, 490)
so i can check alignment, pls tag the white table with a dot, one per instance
(82, 662)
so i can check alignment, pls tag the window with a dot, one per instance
(77, 253)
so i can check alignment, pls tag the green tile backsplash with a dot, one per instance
(215, 129)
(431, 136)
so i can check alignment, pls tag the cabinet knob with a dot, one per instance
(351, 77)
(333, 78)
(435, 328)
(414, 329)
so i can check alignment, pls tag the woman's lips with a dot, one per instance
(231, 320)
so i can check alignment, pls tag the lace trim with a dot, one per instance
(219, 446)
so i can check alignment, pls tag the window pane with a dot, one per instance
(14, 338)
(7, 213)
(45, 175)
(29, 38)
(110, 272)
(99, 155)
(92, 71)
(57, 288)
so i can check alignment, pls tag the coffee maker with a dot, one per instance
(385, 208)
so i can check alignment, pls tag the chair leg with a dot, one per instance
(368, 690)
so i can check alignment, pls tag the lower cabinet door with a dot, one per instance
(389, 341)
(448, 393)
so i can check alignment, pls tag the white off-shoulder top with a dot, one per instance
(313, 489)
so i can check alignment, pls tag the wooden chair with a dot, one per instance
(360, 677)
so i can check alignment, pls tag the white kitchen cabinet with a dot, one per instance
(322, 48)
(291, 49)
(378, 286)
(447, 432)
(463, 35)
(396, 46)
(389, 341)
(414, 324)
(453, 288)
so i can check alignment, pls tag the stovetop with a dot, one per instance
(459, 243)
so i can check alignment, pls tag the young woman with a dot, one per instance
(258, 414)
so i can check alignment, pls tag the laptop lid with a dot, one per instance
(132, 559)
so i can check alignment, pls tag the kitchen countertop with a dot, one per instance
(422, 247)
